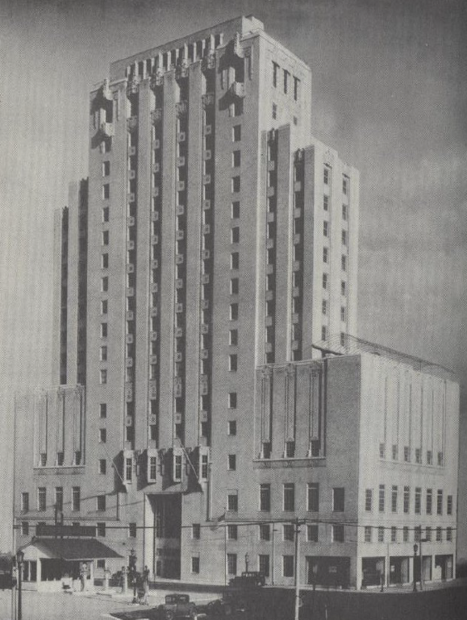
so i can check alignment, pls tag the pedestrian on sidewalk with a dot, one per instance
(145, 580)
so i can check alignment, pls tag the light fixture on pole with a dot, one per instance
(19, 564)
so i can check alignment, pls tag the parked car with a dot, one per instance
(177, 606)
(248, 579)
(221, 608)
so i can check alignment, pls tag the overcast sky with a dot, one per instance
(389, 93)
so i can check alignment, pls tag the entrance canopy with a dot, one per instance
(72, 548)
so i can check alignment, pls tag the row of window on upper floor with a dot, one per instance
(417, 507)
(408, 453)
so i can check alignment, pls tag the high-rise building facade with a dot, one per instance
(213, 244)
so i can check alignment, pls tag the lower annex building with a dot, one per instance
(214, 242)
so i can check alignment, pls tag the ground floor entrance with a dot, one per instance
(444, 567)
(399, 571)
(163, 545)
(328, 571)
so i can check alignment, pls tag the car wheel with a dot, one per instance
(169, 615)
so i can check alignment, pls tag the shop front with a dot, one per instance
(54, 564)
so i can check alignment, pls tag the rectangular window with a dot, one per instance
(24, 528)
(418, 500)
(232, 502)
(289, 449)
(100, 530)
(233, 337)
(393, 534)
(345, 185)
(76, 499)
(429, 457)
(102, 466)
(232, 400)
(103, 376)
(232, 427)
(234, 260)
(296, 84)
(232, 563)
(439, 534)
(324, 307)
(418, 455)
(368, 500)
(449, 534)
(105, 214)
(105, 237)
(236, 159)
(312, 533)
(368, 531)
(103, 411)
(344, 212)
(236, 133)
(344, 237)
(104, 330)
(343, 288)
(288, 532)
(428, 534)
(41, 499)
(439, 502)
(382, 451)
(313, 496)
(407, 454)
(287, 565)
(274, 110)
(405, 534)
(232, 532)
(263, 564)
(102, 435)
(106, 191)
(235, 235)
(286, 81)
(265, 497)
(232, 462)
(344, 263)
(101, 502)
(326, 202)
(406, 499)
(195, 566)
(429, 501)
(275, 69)
(325, 281)
(265, 532)
(343, 314)
(235, 210)
(103, 353)
(233, 312)
(105, 283)
(233, 362)
(104, 306)
(323, 332)
(440, 459)
(196, 531)
(338, 533)
(380, 534)
(59, 498)
(395, 452)
(326, 228)
(24, 502)
(381, 497)
(236, 184)
(289, 497)
(325, 255)
(338, 499)
(394, 494)
(105, 264)
(449, 505)
(132, 530)
(326, 175)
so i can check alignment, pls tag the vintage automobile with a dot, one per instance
(177, 606)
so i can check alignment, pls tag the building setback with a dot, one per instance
(214, 243)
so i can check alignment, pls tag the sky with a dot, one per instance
(389, 93)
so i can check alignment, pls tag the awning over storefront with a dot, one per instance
(74, 548)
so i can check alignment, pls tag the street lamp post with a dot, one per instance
(132, 567)
(247, 562)
(415, 549)
(19, 562)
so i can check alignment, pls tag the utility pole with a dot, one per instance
(297, 569)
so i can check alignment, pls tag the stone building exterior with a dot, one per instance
(213, 244)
